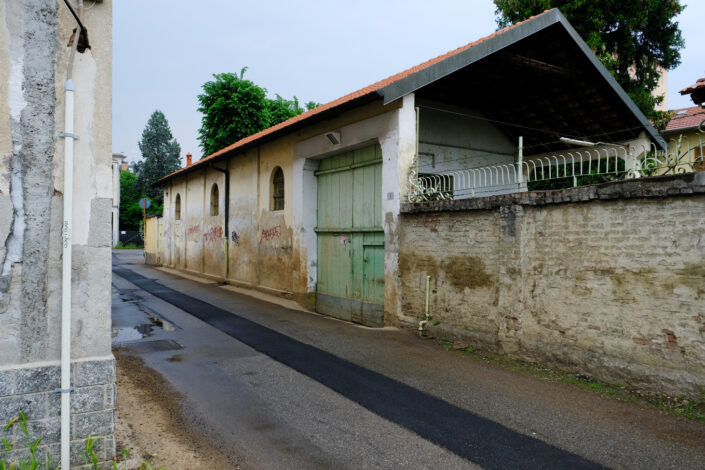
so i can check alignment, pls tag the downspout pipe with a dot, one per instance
(67, 240)
(226, 213)
(66, 231)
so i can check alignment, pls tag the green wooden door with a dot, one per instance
(351, 237)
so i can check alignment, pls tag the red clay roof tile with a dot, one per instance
(344, 99)
(700, 83)
(686, 118)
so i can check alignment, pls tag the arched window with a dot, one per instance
(277, 190)
(177, 207)
(215, 201)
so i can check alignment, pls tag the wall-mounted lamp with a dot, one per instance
(334, 137)
(582, 143)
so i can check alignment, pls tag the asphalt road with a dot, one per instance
(290, 389)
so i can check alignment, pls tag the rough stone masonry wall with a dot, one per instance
(605, 280)
(33, 69)
(31, 389)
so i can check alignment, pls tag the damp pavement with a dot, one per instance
(283, 388)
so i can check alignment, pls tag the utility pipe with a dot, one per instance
(520, 162)
(66, 229)
(423, 322)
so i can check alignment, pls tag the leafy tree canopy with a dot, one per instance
(130, 212)
(632, 38)
(234, 108)
(160, 153)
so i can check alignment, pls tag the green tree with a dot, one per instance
(632, 38)
(160, 153)
(280, 109)
(130, 212)
(234, 108)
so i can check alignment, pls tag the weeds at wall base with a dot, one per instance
(689, 407)
(33, 463)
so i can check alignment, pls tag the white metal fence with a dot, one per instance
(569, 168)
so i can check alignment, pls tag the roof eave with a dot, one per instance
(327, 114)
(523, 30)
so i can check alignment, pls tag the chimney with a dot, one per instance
(188, 160)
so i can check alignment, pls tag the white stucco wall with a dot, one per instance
(453, 138)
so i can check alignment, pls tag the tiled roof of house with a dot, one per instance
(700, 83)
(686, 118)
(368, 90)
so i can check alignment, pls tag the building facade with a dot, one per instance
(309, 209)
(117, 166)
(35, 43)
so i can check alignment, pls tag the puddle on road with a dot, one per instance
(143, 330)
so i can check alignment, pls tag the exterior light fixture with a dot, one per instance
(582, 143)
(334, 137)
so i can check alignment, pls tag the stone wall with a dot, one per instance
(32, 391)
(605, 280)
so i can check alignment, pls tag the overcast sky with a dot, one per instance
(164, 50)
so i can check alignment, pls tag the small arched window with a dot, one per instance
(215, 200)
(177, 207)
(277, 203)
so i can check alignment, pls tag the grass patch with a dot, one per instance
(128, 246)
(691, 407)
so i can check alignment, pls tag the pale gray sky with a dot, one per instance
(164, 50)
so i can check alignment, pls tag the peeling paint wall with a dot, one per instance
(593, 287)
(33, 70)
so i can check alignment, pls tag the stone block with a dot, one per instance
(49, 430)
(94, 373)
(7, 382)
(37, 379)
(95, 424)
(34, 406)
(86, 399)
(110, 396)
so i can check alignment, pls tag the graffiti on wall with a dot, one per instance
(235, 238)
(193, 229)
(213, 234)
(273, 232)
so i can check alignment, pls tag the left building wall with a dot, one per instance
(33, 69)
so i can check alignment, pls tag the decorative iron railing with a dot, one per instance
(570, 168)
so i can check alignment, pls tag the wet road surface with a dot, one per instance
(288, 389)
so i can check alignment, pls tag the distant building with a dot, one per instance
(685, 137)
(118, 166)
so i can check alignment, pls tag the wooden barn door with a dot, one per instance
(351, 237)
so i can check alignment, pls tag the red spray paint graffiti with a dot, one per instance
(213, 234)
(194, 229)
(274, 232)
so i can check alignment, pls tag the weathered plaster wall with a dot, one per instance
(268, 249)
(213, 226)
(33, 39)
(192, 216)
(275, 236)
(612, 287)
(243, 218)
(453, 138)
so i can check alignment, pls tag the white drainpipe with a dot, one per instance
(66, 282)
